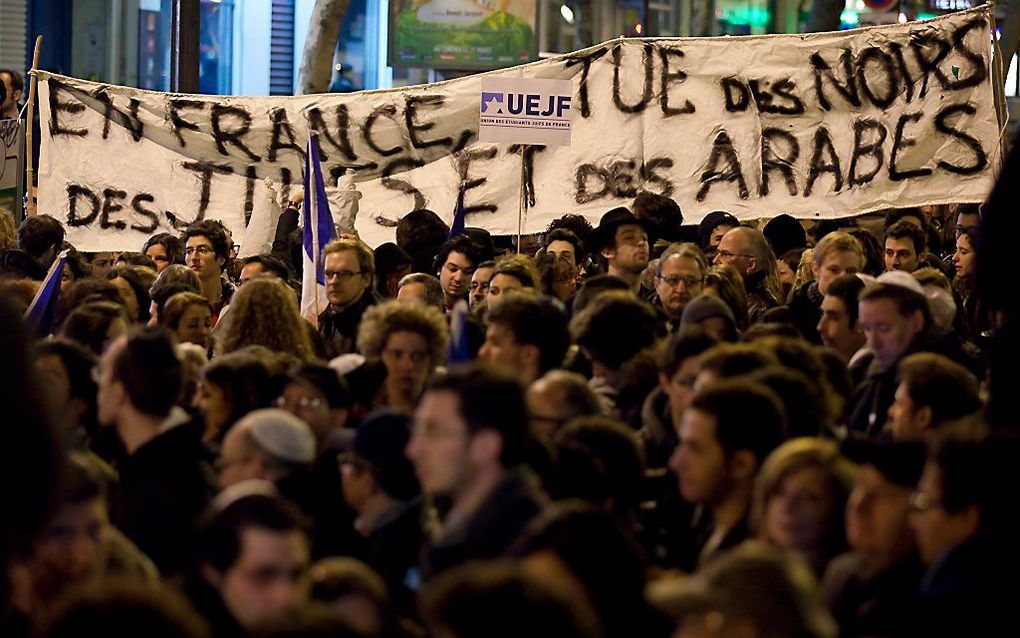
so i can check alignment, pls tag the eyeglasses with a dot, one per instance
(354, 461)
(674, 280)
(301, 403)
(342, 275)
(921, 502)
(201, 250)
(725, 254)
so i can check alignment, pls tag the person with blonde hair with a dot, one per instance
(188, 316)
(836, 254)
(264, 312)
(511, 273)
(410, 339)
(800, 498)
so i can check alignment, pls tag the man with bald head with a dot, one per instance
(747, 250)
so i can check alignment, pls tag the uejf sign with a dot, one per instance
(525, 111)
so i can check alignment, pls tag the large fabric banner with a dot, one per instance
(818, 126)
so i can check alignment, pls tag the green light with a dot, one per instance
(851, 18)
(926, 16)
(751, 16)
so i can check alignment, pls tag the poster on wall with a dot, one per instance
(463, 34)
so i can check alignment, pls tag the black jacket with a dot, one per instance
(866, 605)
(496, 525)
(339, 328)
(164, 487)
(759, 299)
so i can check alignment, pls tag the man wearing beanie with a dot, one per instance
(711, 314)
(380, 485)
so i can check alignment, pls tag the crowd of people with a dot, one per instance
(635, 428)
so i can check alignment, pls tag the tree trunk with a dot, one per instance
(320, 45)
(703, 17)
(825, 15)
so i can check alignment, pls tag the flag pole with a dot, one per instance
(522, 204)
(29, 173)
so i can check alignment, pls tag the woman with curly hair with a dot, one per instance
(409, 338)
(264, 312)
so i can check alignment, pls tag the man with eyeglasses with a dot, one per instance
(206, 250)
(964, 516)
(680, 277)
(349, 270)
(747, 250)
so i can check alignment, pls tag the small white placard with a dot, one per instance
(525, 111)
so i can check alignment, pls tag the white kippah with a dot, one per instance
(901, 279)
(281, 434)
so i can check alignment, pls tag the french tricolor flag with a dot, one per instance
(318, 231)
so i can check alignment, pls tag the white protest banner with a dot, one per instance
(525, 111)
(815, 125)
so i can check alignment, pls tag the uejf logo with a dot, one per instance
(492, 103)
(528, 104)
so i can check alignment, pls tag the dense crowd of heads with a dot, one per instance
(630, 428)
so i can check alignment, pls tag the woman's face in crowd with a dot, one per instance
(965, 259)
(195, 325)
(213, 402)
(797, 515)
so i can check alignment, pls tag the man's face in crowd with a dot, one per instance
(887, 332)
(907, 420)
(699, 461)
(735, 250)
(199, 253)
(630, 250)
(680, 387)
(11, 97)
(102, 263)
(877, 516)
(455, 276)
(678, 283)
(717, 234)
(238, 461)
(564, 249)
(502, 350)
(440, 446)
(311, 405)
(544, 409)
(345, 283)
(195, 325)
(406, 357)
(937, 529)
(157, 252)
(900, 254)
(251, 271)
(480, 285)
(72, 546)
(836, 264)
(835, 329)
(111, 395)
(968, 222)
(269, 575)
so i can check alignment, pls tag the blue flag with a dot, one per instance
(319, 230)
(457, 227)
(457, 350)
(41, 312)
